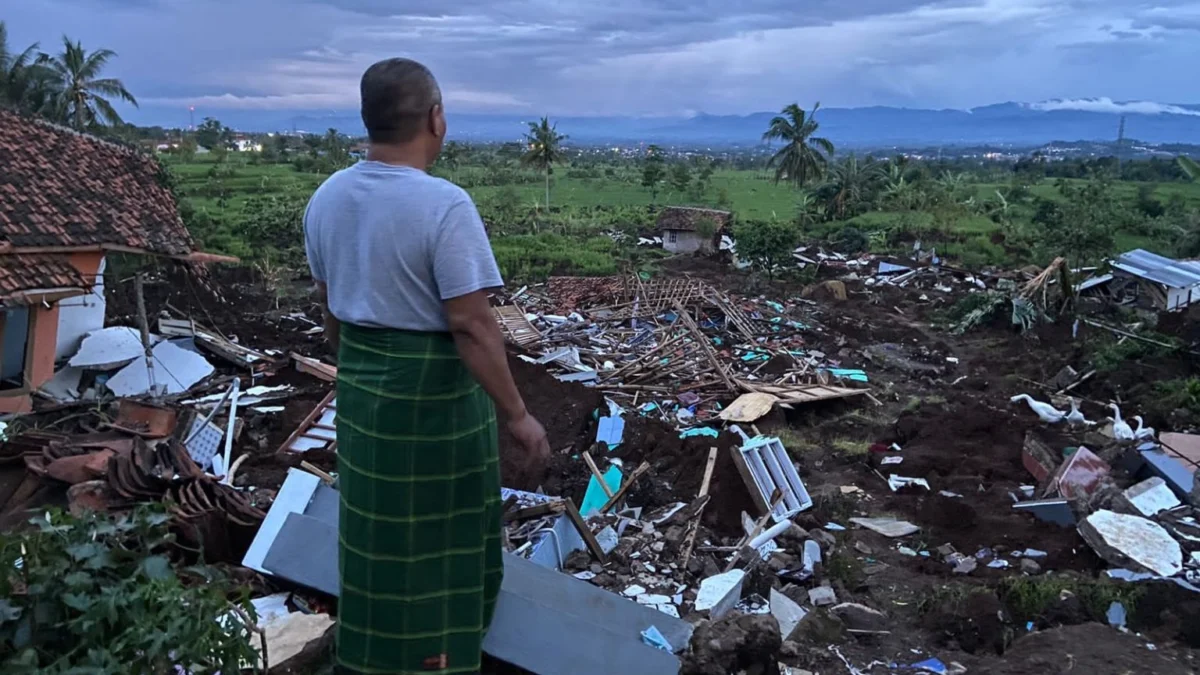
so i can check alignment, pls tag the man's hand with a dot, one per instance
(532, 438)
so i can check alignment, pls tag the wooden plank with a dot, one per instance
(637, 473)
(591, 465)
(302, 430)
(694, 524)
(708, 350)
(572, 512)
(549, 508)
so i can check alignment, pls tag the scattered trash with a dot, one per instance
(655, 639)
(888, 527)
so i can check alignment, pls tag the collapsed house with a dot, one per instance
(66, 201)
(687, 229)
(1153, 281)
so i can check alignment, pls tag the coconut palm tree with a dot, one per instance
(23, 80)
(543, 149)
(81, 101)
(803, 157)
(850, 187)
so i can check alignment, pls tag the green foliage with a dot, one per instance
(1180, 393)
(212, 134)
(767, 245)
(804, 156)
(275, 222)
(1110, 354)
(1030, 598)
(1082, 225)
(681, 177)
(850, 240)
(654, 171)
(976, 309)
(94, 595)
(526, 257)
(544, 149)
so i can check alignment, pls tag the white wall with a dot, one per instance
(79, 316)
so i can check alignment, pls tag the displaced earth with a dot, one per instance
(977, 585)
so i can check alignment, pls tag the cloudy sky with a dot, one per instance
(637, 57)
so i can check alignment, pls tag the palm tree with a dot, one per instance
(803, 156)
(23, 79)
(851, 185)
(81, 100)
(543, 149)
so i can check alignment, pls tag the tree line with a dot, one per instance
(65, 87)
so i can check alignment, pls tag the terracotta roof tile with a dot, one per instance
(686, 217)
(38, 271)
(62, 188)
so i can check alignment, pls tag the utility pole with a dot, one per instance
(1120, 145)
(144, 324)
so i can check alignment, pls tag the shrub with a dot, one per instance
(529, 257)
(94, 595)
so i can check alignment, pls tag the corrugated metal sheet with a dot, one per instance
(1156, 268)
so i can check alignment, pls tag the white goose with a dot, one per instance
(1120, 428)
(1076, 418)
(1048, 413)
(1142, 432)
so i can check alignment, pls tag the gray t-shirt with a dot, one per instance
(391, 243)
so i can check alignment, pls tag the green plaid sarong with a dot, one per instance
(419, 477)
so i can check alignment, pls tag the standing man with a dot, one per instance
(402, 264)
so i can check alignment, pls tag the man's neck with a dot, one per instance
(397, 155)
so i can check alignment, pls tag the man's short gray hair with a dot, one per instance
(397, 96)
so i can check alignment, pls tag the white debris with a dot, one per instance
(719, 593)
(787, 612)
(633, 591)
(110, 348)
(888, 527)
(1123, 539)
(175, 371)
(1151, 496)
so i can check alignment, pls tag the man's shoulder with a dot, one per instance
(444, 189)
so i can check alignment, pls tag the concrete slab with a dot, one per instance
(1151, 496)
(1131, 541)
(306, 552)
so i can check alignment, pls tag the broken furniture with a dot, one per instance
(318, 431)
(766, 467)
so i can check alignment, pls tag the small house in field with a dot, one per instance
(687, 229)
(66, 200)
(1153, 281)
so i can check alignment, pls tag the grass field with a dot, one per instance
(222, 189)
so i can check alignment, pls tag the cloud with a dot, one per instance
(1107, 105)
(642, 57)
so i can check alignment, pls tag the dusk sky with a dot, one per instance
(634, 57)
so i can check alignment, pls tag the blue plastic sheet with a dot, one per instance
(848, 374)
(611, 430)
(595, 497)
(654, 638)
(700, 431)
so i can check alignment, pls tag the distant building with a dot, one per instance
(66, 200)
(1154, 281)
(247, 145)
(687, 229)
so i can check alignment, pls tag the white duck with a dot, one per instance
(1076, 418)
(1143, 432)
(1048, 413)
(1120, 428)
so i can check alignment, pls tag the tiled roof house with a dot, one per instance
(681, 231)
(67, 199)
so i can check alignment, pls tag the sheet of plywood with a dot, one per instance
(749, 407)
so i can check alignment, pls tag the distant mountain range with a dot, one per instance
(1004, 124)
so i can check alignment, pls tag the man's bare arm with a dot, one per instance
(481, 347)
(333, 327)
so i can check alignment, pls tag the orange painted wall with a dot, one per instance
(39, 358)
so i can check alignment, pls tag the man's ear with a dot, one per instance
(437, 121)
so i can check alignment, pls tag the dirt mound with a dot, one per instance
(1088, 648)
(570, 412)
